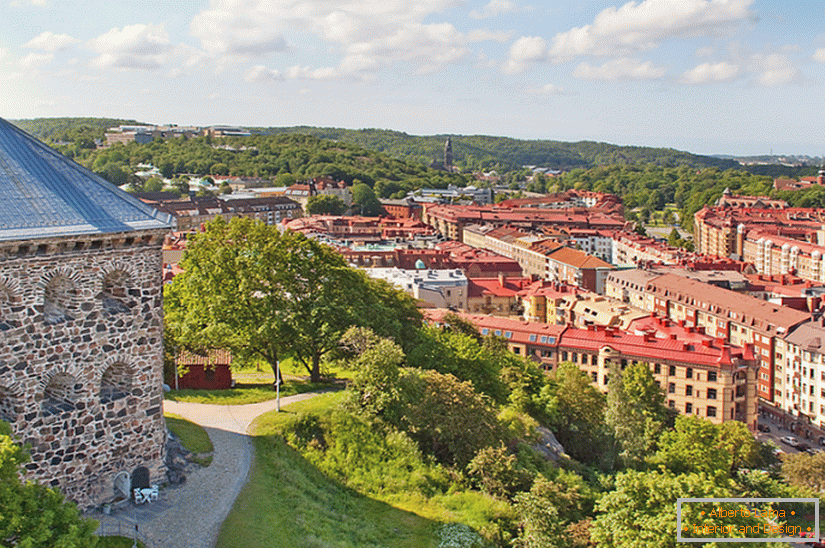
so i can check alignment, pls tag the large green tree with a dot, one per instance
(262, 293)
(635, 412)
(325, 204)
(364, 201)
(35, 516)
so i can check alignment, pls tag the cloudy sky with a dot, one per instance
(709, 76)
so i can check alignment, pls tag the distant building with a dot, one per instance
(435, 288)
(191, 212)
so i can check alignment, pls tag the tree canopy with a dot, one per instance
(35, 516)
(262, 293)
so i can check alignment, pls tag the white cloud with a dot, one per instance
(494, 8)
(48, 41)
(134, 46)
(819, 55)
(524, 52)
(620, 69)
(260, 74)
(710, 72)
(34, 59)
(775, 69)
(38, 3)
(643, 25)
(368, 35)
(548, 89)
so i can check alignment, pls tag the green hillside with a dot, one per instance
(484, 152)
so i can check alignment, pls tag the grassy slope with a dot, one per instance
(192, 436)
(288, 502)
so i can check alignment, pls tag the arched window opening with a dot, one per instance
(60, 394)
(116, 299)
(58, 300)
(116, 383)
(5, 308)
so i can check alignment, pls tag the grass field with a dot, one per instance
(193, 437)
(254, 385)
(289, 502)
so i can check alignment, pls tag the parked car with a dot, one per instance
(763, 427)
(813, 450)
(803, 447)
(789, 441)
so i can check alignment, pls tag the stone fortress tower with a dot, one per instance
(81, 321)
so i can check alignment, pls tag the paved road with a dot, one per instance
(190, 516)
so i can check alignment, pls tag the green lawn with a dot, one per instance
(254, 385)
(288, 502)
(193, 437)
(117, 542)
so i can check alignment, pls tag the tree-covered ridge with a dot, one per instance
(282, 158)
(69, 129)
(485, 152)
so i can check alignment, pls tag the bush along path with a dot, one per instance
(190, 515)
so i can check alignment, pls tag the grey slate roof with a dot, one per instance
(44, 194)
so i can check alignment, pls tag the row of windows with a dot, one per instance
(710, 411)
(711, 392)
(61, 294)
(63, 391)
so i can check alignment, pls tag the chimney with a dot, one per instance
(501, 279)
(673, 336)
(700, 329)
(706, 343)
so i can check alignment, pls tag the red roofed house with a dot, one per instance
(210, 371)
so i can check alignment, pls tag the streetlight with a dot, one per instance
(278, 384)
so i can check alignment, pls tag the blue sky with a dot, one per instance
(708, 76)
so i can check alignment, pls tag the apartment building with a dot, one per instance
(699, 374)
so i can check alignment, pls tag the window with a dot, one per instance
(594, 360)
(116, 382)
(688, 390)
(711, 393)
(564, 356)
(712, 376)
(688, 407)
(606, 379)
(485, 331)
(508, 334)
(543, 339)
(532, 338)
(671, 403)
(497, 332)
(672, 371)
(657, 368)
(516, 350)
(689, 373)
(671, 388)
(575, 357)
(595, 377)
(711, 411)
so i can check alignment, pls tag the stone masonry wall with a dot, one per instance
(81, 358)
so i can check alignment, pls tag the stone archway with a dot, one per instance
(60, 394)
(116, 382)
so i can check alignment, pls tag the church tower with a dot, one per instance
(448, 155)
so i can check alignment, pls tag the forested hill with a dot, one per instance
(484, 152)
(70, 129)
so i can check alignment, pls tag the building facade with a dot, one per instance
(81, 357)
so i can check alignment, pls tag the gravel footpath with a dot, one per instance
(191, 515)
